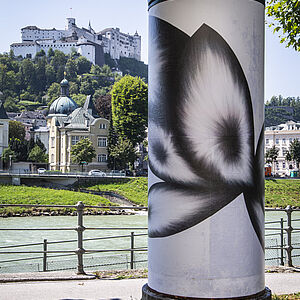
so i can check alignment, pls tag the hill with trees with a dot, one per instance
(279, 110)
(28, 84)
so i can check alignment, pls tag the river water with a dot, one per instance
(115, 260)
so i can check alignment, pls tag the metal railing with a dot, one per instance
(289, 247)
(80, 228)
(49, 173)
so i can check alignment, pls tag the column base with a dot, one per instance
(149, 294)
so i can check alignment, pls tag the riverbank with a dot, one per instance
(279, 193)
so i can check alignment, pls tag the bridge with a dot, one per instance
(59, 179)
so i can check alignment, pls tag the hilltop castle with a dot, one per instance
(85, 41)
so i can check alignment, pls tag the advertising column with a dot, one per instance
(206, 162)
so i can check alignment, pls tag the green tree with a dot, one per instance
(10, 105)
(50, 75)
(83, 152)
(123, 154)
(103, 106)
(50, 53)
(87, 87)
(71, 70)
(16, 130)
(79, 99)
(20, 148)
(53, 92)
(58, 62)
(129, 108)
(6, 155)
(37, 155)
(271, 156)
(83, 65)
(286, 15)
(294, 150)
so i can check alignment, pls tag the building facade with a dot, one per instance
(4, 130)
(68, 124)
(85, 41)
(281, 137)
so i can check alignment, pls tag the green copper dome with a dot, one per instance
(63, 105)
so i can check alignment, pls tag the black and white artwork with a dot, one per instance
(202, 149)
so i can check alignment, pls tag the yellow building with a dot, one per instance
(69, 123)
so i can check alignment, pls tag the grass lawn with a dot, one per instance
(279, 193)
(135, 190)
(36, 195)
(282, 192)
(289, 297)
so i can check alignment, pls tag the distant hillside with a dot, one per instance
(129, 66)
(279, 110)
(29, 84)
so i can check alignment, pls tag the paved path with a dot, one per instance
(125, 289)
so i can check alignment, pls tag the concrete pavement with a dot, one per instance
(103, 289)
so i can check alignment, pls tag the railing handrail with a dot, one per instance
(75, 206)
(80, 251)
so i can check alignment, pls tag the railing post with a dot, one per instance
(132, 251)
(80, 228)
(289, 230)
(281, 243)
(45, 256)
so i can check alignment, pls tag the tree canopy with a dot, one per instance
(16, 130)
(123, 154)
(83, 151)
(29, 83)
(272, 154)
(37, 155)
(286, 16)
(294, 151)
(130, 108)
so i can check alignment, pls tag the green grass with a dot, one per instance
(282, 192)
(43, 196)
(135, 190)
(279, 193)
(288, 297)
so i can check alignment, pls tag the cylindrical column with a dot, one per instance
(80, 229)
(206, 174)
(45, 256)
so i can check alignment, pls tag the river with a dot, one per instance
(120, 259)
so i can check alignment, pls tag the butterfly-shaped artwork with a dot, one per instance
(202, 149)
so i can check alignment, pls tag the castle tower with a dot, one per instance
(70, 23)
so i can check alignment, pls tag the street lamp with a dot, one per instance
(10, 161)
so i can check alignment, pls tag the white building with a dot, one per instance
(4, 126)
(87, 42)
(281, 136)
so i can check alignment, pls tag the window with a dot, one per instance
(102, 141)
(290, 140)
(267, 141)
(52, 142)
(277, 141)
(52, 158)
(283, 141)
(102, 158)
(284, 151)
(283, 165)
(277, 165)
(102, 126)
(74, 139)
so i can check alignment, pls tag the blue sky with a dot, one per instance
(281, 68)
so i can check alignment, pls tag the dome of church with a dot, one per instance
(63, 105)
